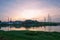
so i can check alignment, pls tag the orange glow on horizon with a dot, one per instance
(31, 14)
(27, 14)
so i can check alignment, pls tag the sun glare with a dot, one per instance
(29, 14)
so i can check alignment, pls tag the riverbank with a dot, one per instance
(29, 35)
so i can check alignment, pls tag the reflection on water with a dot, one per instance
(47, 28)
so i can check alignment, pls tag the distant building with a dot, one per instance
(17, 22)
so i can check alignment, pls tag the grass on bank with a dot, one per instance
(29, 35)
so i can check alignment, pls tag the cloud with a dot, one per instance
(13, 8)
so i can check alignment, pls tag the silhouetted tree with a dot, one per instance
(0, 21)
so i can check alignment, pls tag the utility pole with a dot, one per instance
(44, 23)
(44, 19)
(49, 21)
(49, 18)
(8, 19)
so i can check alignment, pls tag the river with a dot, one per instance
(43, 28)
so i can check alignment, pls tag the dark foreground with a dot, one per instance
(29, 35)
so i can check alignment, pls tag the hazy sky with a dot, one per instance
(29, 9)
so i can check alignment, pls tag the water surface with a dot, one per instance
(43, 28)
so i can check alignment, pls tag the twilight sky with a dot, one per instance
(29, 9)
